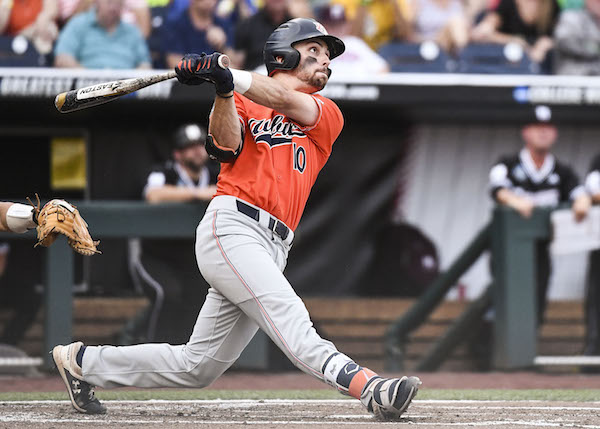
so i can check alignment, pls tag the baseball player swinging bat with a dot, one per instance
(272, 135)
(82, 98)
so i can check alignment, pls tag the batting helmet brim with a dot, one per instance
(336, 46)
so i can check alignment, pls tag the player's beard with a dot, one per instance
(310, 76)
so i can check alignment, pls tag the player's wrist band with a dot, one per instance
(225, 96)
(241, 80)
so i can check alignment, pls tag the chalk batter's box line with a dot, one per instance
(435, 403)
(537, 423)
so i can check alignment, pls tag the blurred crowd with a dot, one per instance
(481, 36)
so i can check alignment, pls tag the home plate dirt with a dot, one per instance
(299, 414)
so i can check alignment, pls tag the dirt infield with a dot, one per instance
(299, 414)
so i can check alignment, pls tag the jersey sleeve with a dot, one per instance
(328, 126)
(570, 187)
(592, 181)
(499, 178)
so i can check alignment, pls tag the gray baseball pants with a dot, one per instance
(243, 262)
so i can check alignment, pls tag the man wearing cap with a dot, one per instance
(531, 178)
(535, 178)
(273, 135)
(167, 268)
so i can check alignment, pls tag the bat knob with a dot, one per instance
(223, 61)
(59, 101)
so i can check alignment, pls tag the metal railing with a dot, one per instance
(512, 241)
(398, 332)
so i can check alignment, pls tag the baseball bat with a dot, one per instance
(101, 93)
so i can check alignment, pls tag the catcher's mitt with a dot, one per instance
(60, 217)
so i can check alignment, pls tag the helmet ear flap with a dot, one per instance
(282, 59)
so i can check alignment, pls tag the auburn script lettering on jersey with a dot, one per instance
(280, 160)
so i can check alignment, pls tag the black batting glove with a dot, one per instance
(185, 69)
(194, 69)
(208, 68)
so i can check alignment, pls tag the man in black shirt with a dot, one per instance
(535, 178)
(167, 268)
(592, 299)
(252, 33)
(531, 178)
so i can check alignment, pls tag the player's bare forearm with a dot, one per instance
(224, 124)
(596, 198)
(272, 93)
(3, 209)
(171, 193)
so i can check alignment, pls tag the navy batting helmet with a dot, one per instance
(279, 52)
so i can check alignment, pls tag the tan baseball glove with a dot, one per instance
(60, 217)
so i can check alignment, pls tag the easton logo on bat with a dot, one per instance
(99, 90)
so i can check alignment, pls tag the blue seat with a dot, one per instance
(407, 58)
(28, 58)
(489, 58)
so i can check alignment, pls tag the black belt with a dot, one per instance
(274, 225)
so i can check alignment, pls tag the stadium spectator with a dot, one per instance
(233, 12)
(592, 298)
(527, 23)
(33, 19)
(378, 21)
(98, 38)
(441, 21)
(135, 12)
(358, 59)
(577, 40)
(168, 268)
(198, 29)
(252, 33)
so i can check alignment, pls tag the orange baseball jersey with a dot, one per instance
(280, 160)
